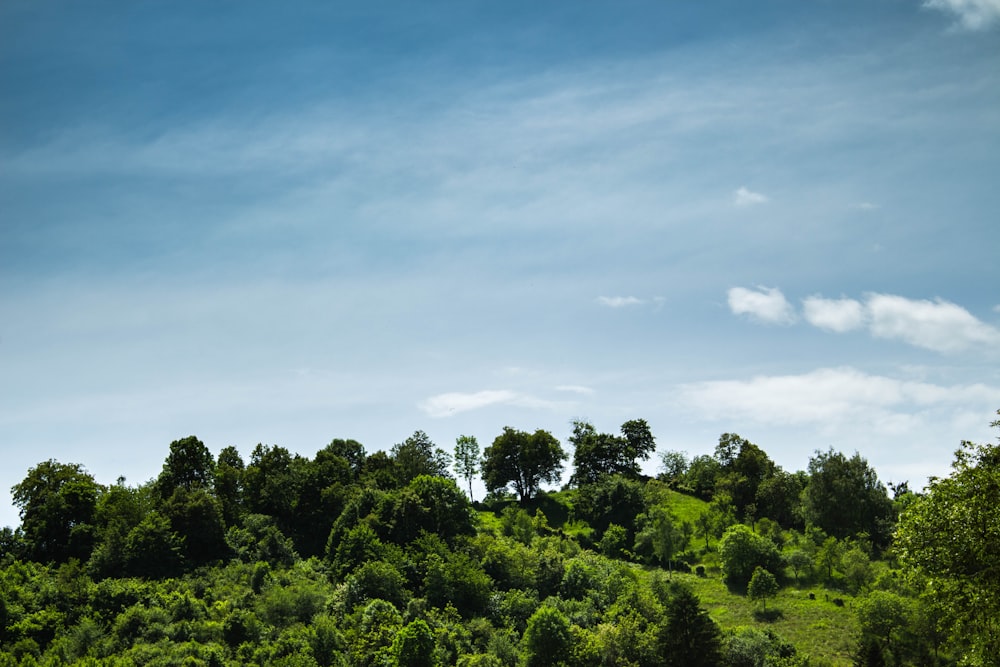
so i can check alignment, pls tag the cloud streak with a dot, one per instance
(453, 403)
(619, 301)
(744, 197)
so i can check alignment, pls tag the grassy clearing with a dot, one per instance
(818, 628)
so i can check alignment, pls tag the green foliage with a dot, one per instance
(611, 499)
(845, 498)
(431, 504)
(414, 645)
(57, 503)
(417, 456)
(523, 460)
(951, 539)
(189, 465)
(598, 454)
(547, 639)
(689, 638)
(467, 459)
(742, 551)
(762, 586)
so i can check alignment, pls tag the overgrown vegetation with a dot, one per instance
(350, 558)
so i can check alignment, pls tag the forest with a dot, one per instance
(352, 558)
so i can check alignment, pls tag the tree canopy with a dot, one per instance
(522, 460)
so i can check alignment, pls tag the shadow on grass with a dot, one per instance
(768, 616)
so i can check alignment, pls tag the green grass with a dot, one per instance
(818, 628)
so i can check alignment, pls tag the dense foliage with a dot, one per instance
(350, 558)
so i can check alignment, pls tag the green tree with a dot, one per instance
(57, 503)
(762, 586)
(673, 465)
(951, 537)
(229, 484)
(800, 562)
(828, 557)
(547, 640)
(598, 454)
(742, 551)
(467, 458)
(689, 637)
(417, 455)
(189, 465)
(660, 534)
(414, 645)
(883, 617)
(845, 498)
(523, 460)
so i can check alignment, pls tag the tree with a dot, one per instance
(417, 455)
(661, 534)
(951, 537)
(762, 585)
(547, 640)
(844, 497)
(673, 465)
(414, 645)
(598, 454)
(57, 503)
(883, 617)
(689, 638)
(742, 551)
(467, 456)
(800, 562)
(229, 484)
(189, 465)
(523, 460)
(828, 556)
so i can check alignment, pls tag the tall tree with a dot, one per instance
(189, 465)
(57, 503)
(951, 536)
(523, 460)
(689, 638)
(845, 498)
(416, 456)
(467, 458)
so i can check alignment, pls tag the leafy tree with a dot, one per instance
(612, 499)
(844, 497)
(57, 502)
(742, 551)
(951, 536)
(417, 455)
(547, 640)
(883, 617)
(779, 497)
(762, 585)
(598, 454)
(701, 476)
(745, 467)
(269, 484)
(674, 465)
(153, 549)
(229, 484)
(689, 638)
(467, 457)
(431, 504)
(189, 465)
(196, 516)
(414, 645)
(523, 460)
(800, 562)
(828, 557)
(660, 534)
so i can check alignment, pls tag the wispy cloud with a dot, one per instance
(766, 304)
(453, 403)
(837, 315)
(935, 325)
(745, 197)
(827, 396)
(866, 206)
(970, 14)
(619, 301)
(575, 389)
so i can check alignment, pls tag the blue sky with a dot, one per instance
(286, 224)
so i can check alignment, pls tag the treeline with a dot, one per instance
(351, 558)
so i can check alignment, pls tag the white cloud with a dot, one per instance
(618, 301)
(829, 397)
(766, 304)
(935, 325)
(971, 14)
(839, 315)
(866, 206)
(453, 403)
(746, 197)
